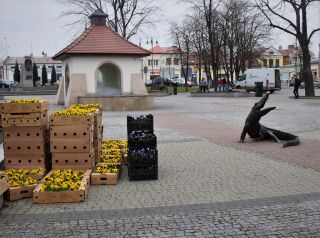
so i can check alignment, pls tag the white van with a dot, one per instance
(269, 76)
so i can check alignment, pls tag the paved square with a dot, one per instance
(209, 185)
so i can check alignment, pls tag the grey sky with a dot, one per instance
(34, 26)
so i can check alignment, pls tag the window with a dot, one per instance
(168, 61)
(277, 63)
(155, 62)
(265, 63)
(243, 77)
(176, 61)
(270, 63)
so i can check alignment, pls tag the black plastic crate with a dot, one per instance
(146, 172)
(144, 156)
(142, 164)
(141, 123)
(142, 139)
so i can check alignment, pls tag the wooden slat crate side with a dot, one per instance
(104, 178)
(72, 120)
(81, 161)
(27, 119)
(71, 145)
(27, 161)
(26, 132)
(72, 132)
(7, 107)
(16, 146)
(17, 193)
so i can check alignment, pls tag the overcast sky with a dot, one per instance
(35, 25)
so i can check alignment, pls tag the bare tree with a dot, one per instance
(298, 27)
(181, 36)
(126, 17)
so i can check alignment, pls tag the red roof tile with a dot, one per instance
(287, 52)
(164, 50)
(101, 40)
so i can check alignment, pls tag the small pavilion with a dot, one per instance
(101, 66)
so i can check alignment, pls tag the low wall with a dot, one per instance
(120, 103)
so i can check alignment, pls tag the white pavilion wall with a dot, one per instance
(89, 64)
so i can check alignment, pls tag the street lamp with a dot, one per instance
(151, 42)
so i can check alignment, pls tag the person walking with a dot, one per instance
(220, 84)
(297, 84)
(205, 86)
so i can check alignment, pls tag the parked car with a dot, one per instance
(148, 82)
(181, 82)
(159, 80)
(5, 83)
(316, 83)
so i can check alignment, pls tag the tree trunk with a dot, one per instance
(304, 44)
(306, 72)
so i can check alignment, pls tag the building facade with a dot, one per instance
(25, 65)
(163, 62)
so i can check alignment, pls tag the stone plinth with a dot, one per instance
(121, 102)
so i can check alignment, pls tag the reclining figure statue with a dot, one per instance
(254, 129)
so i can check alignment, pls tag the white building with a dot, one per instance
(163, 62)
(101, 63)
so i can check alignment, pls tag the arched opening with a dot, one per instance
(108, 77)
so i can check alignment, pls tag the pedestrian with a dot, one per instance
(205, 86)
(224, 82)
(161, 86)
(297, 84)
(220, 84)
(201, 85)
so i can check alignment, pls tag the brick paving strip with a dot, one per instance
(168, 210)
(306, 154)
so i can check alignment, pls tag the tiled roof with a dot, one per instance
(287, 52)
(164, 50)
(101, 40)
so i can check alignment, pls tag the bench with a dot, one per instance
(156, 87)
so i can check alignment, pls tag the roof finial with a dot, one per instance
(98, 17)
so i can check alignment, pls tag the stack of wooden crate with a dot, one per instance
(25, 140)
(71, 141)
(25, 135)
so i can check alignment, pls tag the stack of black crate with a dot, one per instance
(142, 149)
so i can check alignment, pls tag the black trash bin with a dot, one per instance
(259, 89)
(175, 89)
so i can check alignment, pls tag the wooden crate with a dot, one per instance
(71, 132)
(26, 132)
(26, 119)
(27, 161)
(7, 107)
(64, 196)
(72, 120)
(79, 161)
(104, 178)
(17, 193)
(71, 145)
(14, 146)
(4, 184)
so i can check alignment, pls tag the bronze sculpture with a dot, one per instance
(254, 129)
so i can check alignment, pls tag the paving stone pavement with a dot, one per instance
(209, 185)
